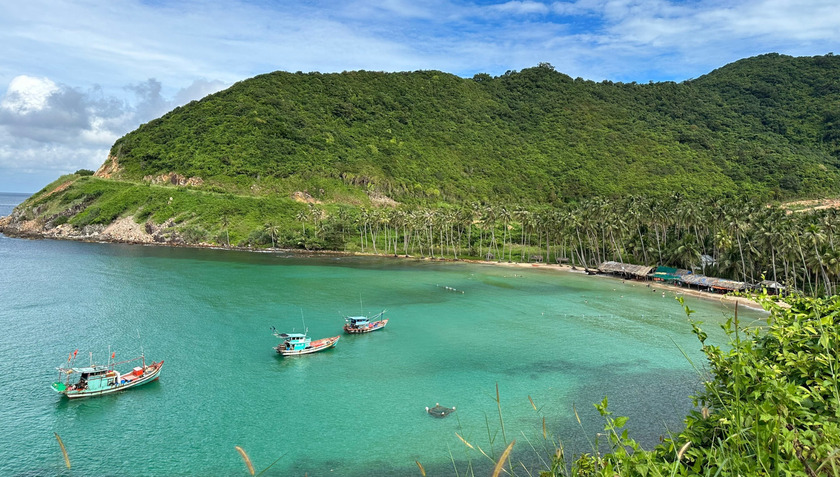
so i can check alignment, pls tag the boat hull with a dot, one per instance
(373, 326)
(151, 373)
(314, 347)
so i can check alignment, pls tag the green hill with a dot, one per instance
(766, 126)
(309, 161)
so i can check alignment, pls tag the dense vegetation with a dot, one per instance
(767, 126)
(731, 238)
(526, 165)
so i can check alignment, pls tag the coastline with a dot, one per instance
(133, 236)
(728, 301)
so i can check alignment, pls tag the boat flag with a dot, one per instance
(75, 353)
(70, 357)
(113, 354)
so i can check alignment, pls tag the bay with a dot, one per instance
(456, 331)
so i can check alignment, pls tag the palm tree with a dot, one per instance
(225, 223)
(816, 237)
(302, 216)
(686, 253)
(271, 230)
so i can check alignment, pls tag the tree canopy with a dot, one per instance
(767, 126)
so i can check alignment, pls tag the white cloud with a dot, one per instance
(27, 94)
(48, 129)
(522, 8)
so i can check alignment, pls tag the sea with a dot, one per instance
(521, 353)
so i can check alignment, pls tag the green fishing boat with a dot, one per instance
(97, 380)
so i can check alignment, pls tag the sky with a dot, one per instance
(76, 75)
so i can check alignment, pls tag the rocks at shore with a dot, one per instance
(125, 230)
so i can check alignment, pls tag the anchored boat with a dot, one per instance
(364, 324)
(294, 344)
(96, 380)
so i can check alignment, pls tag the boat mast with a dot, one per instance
(305, 330)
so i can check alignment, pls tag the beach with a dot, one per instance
(667, 290)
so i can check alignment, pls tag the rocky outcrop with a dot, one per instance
(125, 229)
(109, 168)
(175, 179)
(304, 197)
(382, 200)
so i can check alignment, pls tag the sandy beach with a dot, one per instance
(729, 301)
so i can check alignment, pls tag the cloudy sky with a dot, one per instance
(75, 75)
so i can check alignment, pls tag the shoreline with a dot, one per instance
(728, 301)
(673, 290)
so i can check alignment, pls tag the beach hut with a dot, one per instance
(772, 287)
(626, 270)
(712, 284)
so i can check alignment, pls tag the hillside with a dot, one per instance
(766, 126)
(454, 166)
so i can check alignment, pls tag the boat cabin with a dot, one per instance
(94, 378)
(294, 341)
(358, 321)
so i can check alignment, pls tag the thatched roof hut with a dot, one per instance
(625, 269)
(772, 287)
(716, 284)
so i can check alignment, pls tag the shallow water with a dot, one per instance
(565, 340)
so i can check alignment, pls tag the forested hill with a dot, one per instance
(766, 126)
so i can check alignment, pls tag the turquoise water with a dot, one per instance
(563, 339)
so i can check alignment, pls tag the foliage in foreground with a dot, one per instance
(770, 406)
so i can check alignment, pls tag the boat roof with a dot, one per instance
(292, 335)
(89, 370)
(357, 318)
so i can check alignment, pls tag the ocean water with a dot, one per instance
(456, 331)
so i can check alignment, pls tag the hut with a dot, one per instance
(712, 284)
(625, 270)
(772, 287)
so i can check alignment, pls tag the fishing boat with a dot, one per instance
(97, 379)
(365, 324)
(295, 344)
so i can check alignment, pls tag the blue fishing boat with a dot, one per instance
(295, 344)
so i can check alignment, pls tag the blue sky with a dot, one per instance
(76, 75)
